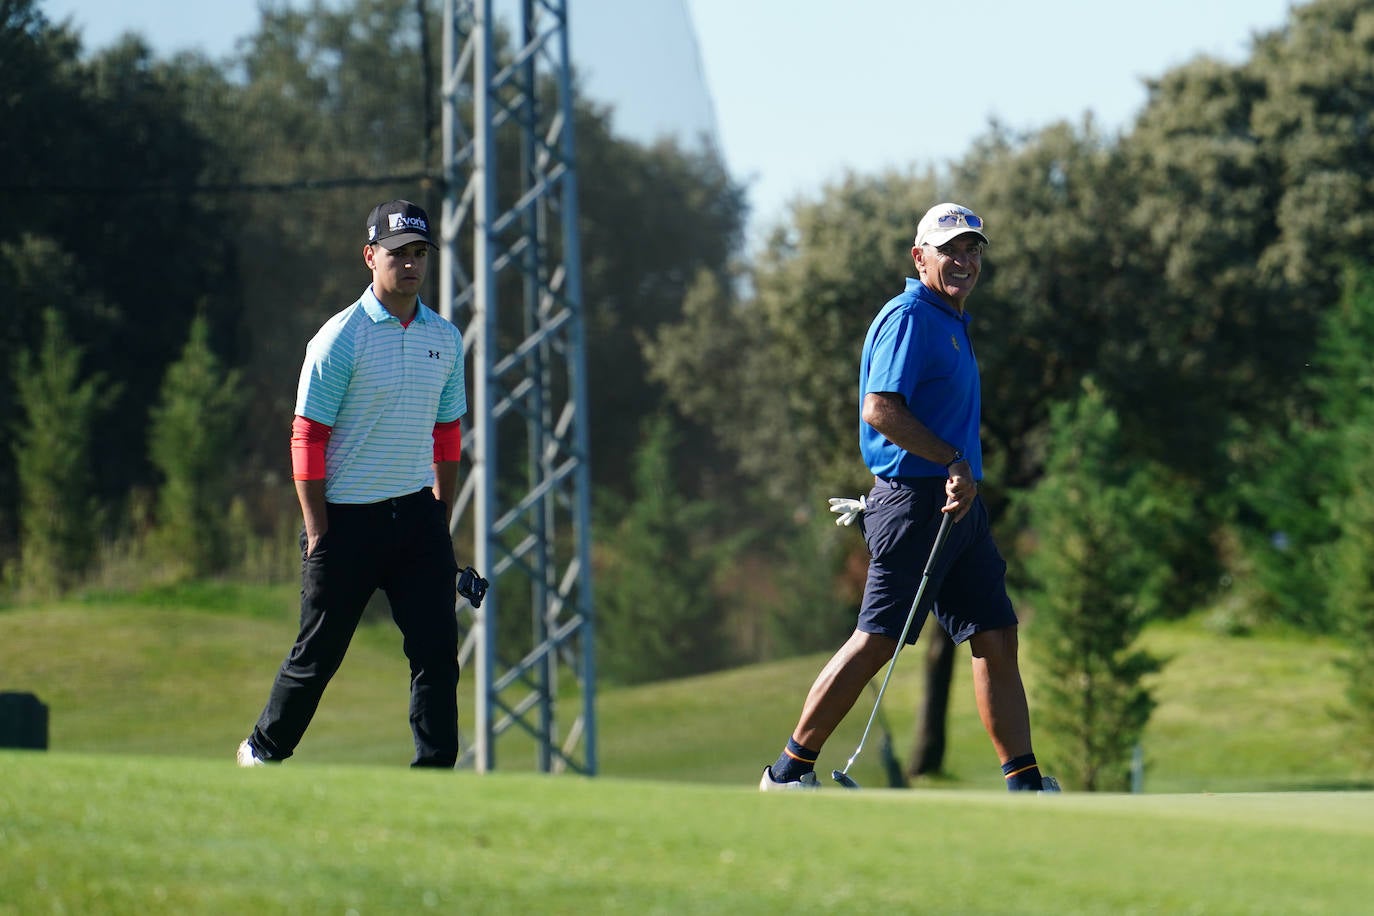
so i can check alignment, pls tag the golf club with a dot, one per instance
(842, 776)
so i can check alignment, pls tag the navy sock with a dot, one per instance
(794, 762)
(1022, 774)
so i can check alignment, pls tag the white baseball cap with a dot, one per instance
(943, 222)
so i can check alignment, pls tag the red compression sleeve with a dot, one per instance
(448, 441)
(308, 439)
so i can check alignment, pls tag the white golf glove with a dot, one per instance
(847, 509)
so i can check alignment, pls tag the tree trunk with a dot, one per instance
(928, 754)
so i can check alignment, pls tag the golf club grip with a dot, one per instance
(940, 537)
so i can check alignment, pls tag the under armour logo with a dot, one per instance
(433, 354)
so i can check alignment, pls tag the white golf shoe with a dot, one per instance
(809, 781)
(246, 757)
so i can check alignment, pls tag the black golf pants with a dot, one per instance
(403, 547)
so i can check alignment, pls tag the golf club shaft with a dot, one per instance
(901, 640)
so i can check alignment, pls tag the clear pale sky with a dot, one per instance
(803, 90)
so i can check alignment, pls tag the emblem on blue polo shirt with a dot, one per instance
(954, 342)
(433, 354)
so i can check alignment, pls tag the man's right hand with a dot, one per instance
(960, 490)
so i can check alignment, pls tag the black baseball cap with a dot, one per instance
(396, 223)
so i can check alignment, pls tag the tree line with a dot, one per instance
(144, 196)
(1173, 326)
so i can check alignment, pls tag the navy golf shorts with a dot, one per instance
(967, 588)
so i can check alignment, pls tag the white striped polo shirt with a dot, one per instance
(382, 387)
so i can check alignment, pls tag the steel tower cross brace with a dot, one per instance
(511, 280)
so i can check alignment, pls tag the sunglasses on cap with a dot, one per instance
(971, 220)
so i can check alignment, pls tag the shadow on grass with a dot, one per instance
(1360, 785)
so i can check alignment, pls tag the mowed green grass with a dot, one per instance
(138, 808)
(1235, 714)
(104, 833)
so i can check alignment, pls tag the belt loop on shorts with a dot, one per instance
(910, 483)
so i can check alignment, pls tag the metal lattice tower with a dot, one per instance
(511, 280)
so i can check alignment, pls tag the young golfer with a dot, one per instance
(374, 453)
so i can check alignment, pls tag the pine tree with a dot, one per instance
(1097, 577)
(53, 461)
(657, 614)
(1347, 381)
(191, 443)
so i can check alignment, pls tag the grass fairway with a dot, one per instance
(129, 834)
(138, 808)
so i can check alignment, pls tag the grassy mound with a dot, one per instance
(185, 675)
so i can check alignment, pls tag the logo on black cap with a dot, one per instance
(396, 223)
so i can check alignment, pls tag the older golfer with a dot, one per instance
(919, 435)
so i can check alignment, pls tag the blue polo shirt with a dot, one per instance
(919, 347)
(382, 387)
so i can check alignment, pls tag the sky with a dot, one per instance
(799, 92)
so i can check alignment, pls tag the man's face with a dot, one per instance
(952, 269)
(399, 271)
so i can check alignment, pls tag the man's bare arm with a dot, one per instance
(887, 412)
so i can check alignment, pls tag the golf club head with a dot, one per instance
(844, 779)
